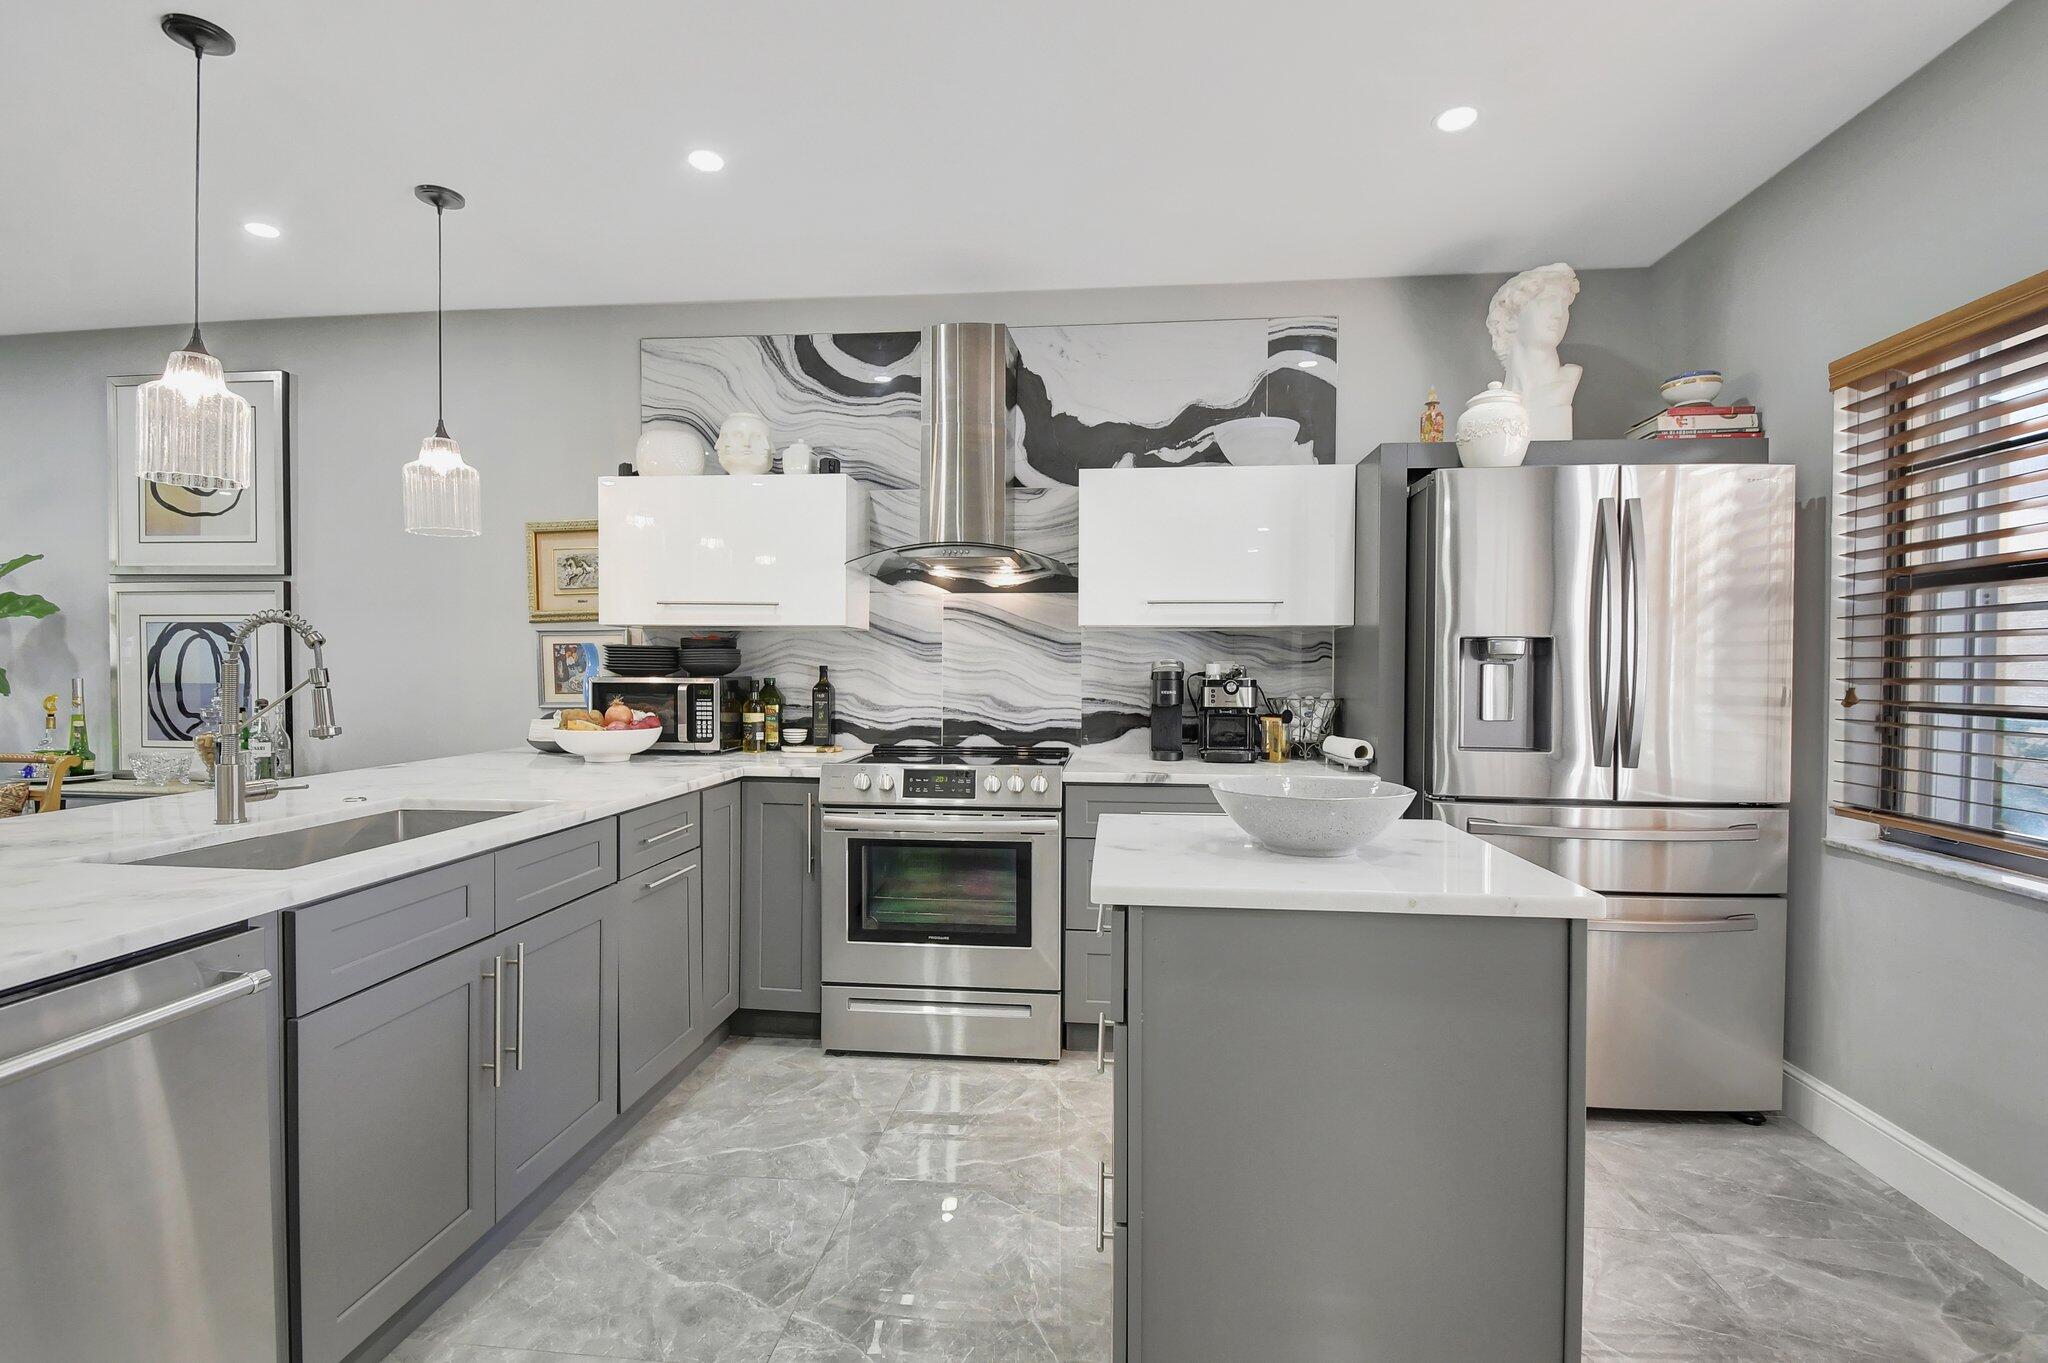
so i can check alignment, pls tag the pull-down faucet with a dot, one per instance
(232, 786)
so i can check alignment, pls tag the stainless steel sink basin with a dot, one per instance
(324, 842)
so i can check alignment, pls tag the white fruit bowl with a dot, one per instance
(606, 745)
(1312, 816)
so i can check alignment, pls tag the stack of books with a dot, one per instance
(1700, 421)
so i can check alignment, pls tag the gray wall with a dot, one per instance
(1921, 997)
(431, 650)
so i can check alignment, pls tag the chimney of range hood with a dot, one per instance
(963, 500)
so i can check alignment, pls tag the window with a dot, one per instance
(1940, 724)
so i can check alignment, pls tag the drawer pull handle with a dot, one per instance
(1103, 1027)
(1734, 922)
(651, 886)
(1104, 1232)
(660, 837)
(494, 1065)
(1101, 918)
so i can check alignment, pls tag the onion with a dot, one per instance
(618, 712)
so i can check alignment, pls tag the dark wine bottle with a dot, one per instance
(822, 716)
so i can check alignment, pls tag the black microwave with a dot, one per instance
(698, 714)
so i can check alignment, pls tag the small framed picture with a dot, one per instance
(561, 570)
(566, 660)
(169, 639)
(159, 528)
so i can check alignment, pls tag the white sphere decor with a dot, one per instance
(667, 449)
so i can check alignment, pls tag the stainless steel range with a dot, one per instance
(942, 901)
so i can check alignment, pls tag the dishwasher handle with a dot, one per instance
(1734, 922)
(43, 1058)
(1735, 832)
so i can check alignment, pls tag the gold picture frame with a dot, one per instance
(561, 570)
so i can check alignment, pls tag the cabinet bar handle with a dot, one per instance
(810, 845)
(1104, 1233)
(1735, 832)
(519, 1013)
(658, 837)
(770, 604)
(651, 886)
(1103, 1027)
(135, 1024)
(1212, 601)
(1101, 913)
(497, 1024)
(1736, 922)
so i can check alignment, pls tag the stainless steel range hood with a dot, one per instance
(963, 503)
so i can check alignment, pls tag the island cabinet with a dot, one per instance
(780, 900)
(678, 931)
(1384, 1165)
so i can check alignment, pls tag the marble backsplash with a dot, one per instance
(1017, 668)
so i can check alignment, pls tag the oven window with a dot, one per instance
(973, 894)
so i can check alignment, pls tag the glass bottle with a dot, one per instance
(753, 723)
(771, 716)
(821, 711)
(51, 744)
(79, 747)
(256, 742)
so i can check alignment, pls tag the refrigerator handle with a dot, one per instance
(1631, 740)
(1606, 545)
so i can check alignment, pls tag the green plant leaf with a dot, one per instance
(12, 564)
(5, 688)
(16, 604)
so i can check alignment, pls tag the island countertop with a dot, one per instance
(1416, 866)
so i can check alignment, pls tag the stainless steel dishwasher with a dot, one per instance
(140, 1147)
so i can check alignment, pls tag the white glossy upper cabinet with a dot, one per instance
(710, 551)
(1218, 546)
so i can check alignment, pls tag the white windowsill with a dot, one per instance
(1955, 868)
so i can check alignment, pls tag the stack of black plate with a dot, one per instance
(640, 660)
(710, 655)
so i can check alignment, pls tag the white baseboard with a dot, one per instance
(2010, 1227)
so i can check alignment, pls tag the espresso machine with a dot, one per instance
(1227, 712)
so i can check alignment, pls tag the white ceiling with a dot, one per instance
(902, 146)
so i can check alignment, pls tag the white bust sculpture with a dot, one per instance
(1526, 321)
(743, 444)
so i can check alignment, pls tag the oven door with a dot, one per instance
(950, 901)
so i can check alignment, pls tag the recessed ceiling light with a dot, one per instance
(707, 160)
(1457, 120)
(261, 229)
(1304, 364)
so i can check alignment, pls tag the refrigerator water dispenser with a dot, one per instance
(1504, 693)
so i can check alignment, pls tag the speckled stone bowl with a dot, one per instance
(1312, 816)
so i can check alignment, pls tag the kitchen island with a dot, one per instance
(1350, 1112)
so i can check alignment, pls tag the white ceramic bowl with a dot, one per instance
(1312, 816)
(606, 745)
(1698, 385)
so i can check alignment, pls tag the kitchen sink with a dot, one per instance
(324, 842)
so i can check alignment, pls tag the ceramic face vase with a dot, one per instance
(743, 444)
(1493, 430)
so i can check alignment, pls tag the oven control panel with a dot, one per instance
(940, 783)
(981, 787)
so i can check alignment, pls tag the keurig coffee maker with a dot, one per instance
(1169, 706)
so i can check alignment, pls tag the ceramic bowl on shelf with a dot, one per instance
(1694, 385)
(1312, 816)
(606, 745)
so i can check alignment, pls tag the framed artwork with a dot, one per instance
(561, 570)
(177, 531)
(566, 660)
(168, 642)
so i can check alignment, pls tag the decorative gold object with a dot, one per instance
(561, 570)
(1432, 420)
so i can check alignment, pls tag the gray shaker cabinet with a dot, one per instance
(394, 1135)
(560, 1043)
(718, 963)
(779, 896)
(659, 913)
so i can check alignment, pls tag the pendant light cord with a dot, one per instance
(440, 372)
(198, 74)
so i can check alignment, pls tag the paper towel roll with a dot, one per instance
(1352, 752)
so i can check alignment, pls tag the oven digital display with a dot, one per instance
(946, 783)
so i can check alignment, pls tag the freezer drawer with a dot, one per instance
(1685, 1002)
(1621, 850)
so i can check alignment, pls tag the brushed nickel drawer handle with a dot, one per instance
(770, 604)
(494, 1064)
(659, 837)
(1104, 1232)
(519, 1013)
(651, 886)
(1212, 601)
(1101, 914)
(1103, 1027)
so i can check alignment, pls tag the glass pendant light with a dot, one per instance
(442, 496)
(196, 432)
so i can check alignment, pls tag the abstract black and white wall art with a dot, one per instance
(170, 639)
(178, 531)
(1017, 668)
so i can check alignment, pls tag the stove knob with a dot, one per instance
(888, 780)
(1016, 784)
(1038, 785)
(993, 784)
(860, 780)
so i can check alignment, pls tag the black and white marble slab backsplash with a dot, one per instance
(1010, 669)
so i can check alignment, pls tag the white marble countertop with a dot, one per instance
(66, 902)
(1417, 866)
(1096, 767)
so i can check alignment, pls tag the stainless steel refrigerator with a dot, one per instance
(1600, 680)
